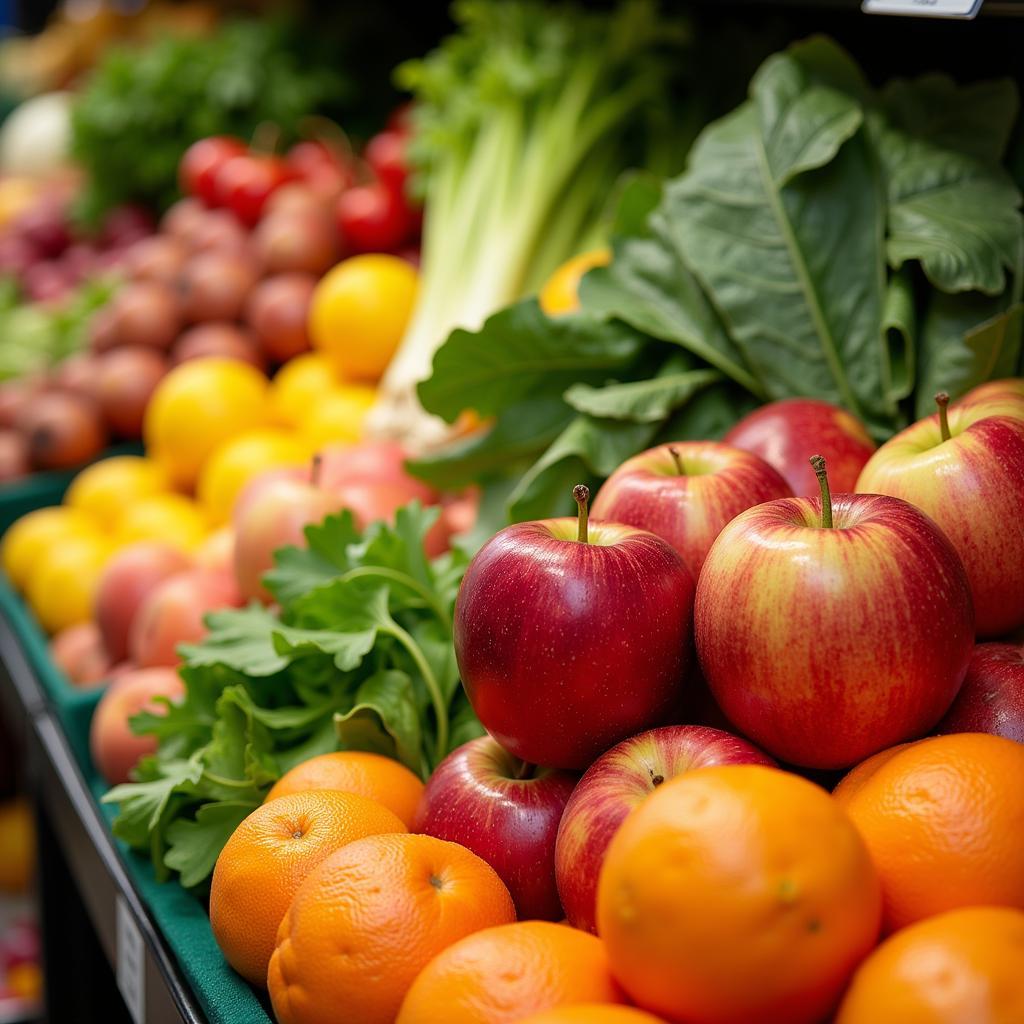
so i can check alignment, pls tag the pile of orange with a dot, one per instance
(731, 894)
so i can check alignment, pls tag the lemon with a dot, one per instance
(106, 488)
(235, 462)
(338, 416)
(62, 584)
(196, 407)
(359, 312)
(299, 385)
(560, 293)
(171, 518)
(35, 532)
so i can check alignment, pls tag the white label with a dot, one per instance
(131, 963)
(927, 8)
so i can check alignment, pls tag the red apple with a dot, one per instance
(686, 493)
(786, 434)
(127, 580)
(506, 812)
(966, 471)
(373, 500)
(616, 783)
(570, 638)
(371, 460)
(997, 397)
(992, 697)
(275, 517)
(830, 630)
(115, 748)
(173, 613)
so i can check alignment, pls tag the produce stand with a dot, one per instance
(121, 946)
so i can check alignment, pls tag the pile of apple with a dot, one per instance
(825, 628)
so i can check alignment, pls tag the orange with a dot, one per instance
(736, 894)
(961, 967)
(591, 1013)
(359, 312)
(502, 974)
(266, 860)
(370, 918)
(198, 405)
(560, 293)
(355, 771)
(943, 819)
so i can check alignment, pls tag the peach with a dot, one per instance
(370, 500)
(115, 748)
(173, 614)
(377, 461)
(128, 579)
(79, 652)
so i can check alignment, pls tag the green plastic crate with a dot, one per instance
(224, 996)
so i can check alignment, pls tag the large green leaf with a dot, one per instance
(648, 286)
(899, 318)
(965, 340)
(642, 401)
(384, 720)
(794, 263)
(520, 353)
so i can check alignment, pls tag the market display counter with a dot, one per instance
(105, 958)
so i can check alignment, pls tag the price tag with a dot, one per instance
(924, 8)
(131, 963)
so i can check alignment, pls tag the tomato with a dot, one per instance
(400, 119)
(372, 218)
(200, 163)
(326, 171)
(385, 153)
(244, 183)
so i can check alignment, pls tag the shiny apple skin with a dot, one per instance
(566, 648)
(474, 799)
(973, 486)
(613, 785)
(997, 397)
(687, 510)
(826, 646)
(786, 434)
(992, 697)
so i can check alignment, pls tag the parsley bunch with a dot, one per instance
(359, 657)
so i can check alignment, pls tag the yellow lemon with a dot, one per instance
(235, 462)
(560, 293)
(37, 531)
(62, 584)
(359, 312)
(171, 518)
(299, 385)
(106, 488)
(338, 416)
(196, 407)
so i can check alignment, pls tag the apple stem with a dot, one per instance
(674, 452)
(818, 462)
(314, 470)
(581, 492)
(942, 401)
(524, 771)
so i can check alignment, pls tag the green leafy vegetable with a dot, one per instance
(825, 239)
(143, 107)
(359, 657)
(524, 120)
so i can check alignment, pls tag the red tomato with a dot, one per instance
(385, 153)
(200, 163)
(325, 170)
(400, 119)
(244, 183)
(372, 218)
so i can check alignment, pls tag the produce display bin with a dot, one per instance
(155, 937)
